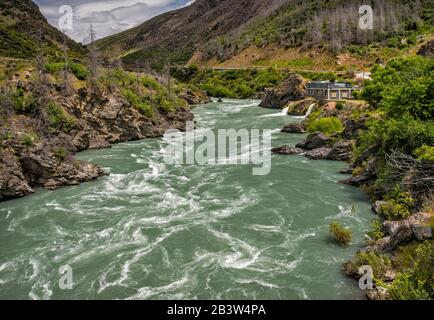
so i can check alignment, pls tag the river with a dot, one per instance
(154, 231)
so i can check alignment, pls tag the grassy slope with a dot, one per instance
(24, 30)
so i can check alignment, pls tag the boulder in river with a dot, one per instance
(319, 153)
(314, 141)
(293, 89)
(294, 128)
(378, 293)
(341, 150)
(287, 150)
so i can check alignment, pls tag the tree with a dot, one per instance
(93, 59)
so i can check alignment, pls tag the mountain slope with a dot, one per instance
(176, 35)
(23, 30)
(217, 31)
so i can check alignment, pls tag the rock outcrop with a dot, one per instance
(378, 293)
(287, 150)
(314, 141)
(368, 175)
(33, 156)
(352, 127)
(417, 227)
(294, 128)
(293, 89)
(427, 50)
(300, 108)
(340, 151)
(194, 98)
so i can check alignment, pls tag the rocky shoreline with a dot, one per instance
(340, 147)
(32, 156)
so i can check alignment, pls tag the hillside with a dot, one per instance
(176, 35)
(24, 30)
(308, 34)
(51, 108)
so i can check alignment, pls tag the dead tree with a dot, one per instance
(67, 87)
(415, 175)
(6, 103)
(93, 59)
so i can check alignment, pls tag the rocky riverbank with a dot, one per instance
(36, 150)
(391, 235)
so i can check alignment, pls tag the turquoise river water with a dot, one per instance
(154, 231)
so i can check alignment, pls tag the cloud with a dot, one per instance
(107, 16)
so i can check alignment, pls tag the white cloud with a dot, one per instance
(86, 9)
(107, 16)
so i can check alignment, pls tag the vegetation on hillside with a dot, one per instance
(24, 31)
(331, 25)
(402, 92)
(230, 83)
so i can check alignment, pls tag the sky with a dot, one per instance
(107, 16)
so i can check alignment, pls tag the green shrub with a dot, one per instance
(243, 91)
(24, 103)
(132, 98)
(28, 139)
(339, 105)
(139, 103)
(394, 211)
(425, 153)
(58, 119)
(376, 231)
(79, 71)
(146, 109)
(399, 205)
(60, 154)
(165, 105)
(416, 279)
(150, 83)
(379, 263)
(328, 125)
(342, 235)
(406, 134)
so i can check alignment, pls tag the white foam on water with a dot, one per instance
(149, 292)
(258, 281)
(138, 254)
(347, 212)
(40, 291)
(264, 228)
(282, 113)
(243, 254)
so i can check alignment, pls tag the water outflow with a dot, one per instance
(310, 110)
(282, 113)
(155, 231)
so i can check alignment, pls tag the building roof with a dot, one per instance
(328, 85)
